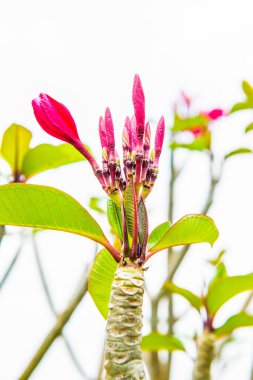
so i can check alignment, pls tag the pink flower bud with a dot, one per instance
(159, 136)
(58, 122)
(215, 114)
(110, 135)
(55, 118)
(139, 110)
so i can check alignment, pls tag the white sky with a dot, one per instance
(85, 54)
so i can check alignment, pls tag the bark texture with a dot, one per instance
(123, 356)
(205, 356)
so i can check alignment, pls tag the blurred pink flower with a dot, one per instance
(214, 114)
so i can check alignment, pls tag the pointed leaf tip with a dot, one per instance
(190, 229)
(45, 207)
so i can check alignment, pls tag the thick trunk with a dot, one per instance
(205, 356)
(123, 357)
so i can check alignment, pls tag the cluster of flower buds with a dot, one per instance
(139, 164)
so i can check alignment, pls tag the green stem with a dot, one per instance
(57, 329)
(247, 302)
(205, 356)
(123, 356)
(154, 367)
(171, 257)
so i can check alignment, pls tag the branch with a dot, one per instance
(56, 331)
(247, 302)
(43, 277)
(12, 264)
(208, 203)
(2, 233)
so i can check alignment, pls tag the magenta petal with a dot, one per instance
(139, 108)
(65, 114)
(215, 113)
(58, 116)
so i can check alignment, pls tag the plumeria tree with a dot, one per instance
(127, 187)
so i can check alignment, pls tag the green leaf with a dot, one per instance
(248, 103)
(234, 322)
(238, 151)
(226, 288)
(115, 218)
(242, 106)
(247, 89)
(15, 145)
(46, 207)
(130, 207)
(249, 128)
(221, 272)
(158, 233)
(190, 229)
(194, 300)
(157, 342)
(94, 205)
(216, 261)
(142, 222)
(186, 124)
(200, 143)
(100, 280)
(46, 156)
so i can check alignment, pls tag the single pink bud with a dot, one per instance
(102, 133)
(58, 122)
(159, 136)
(110, 135)
(139, 110)
(215, 114)
(55, 118)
